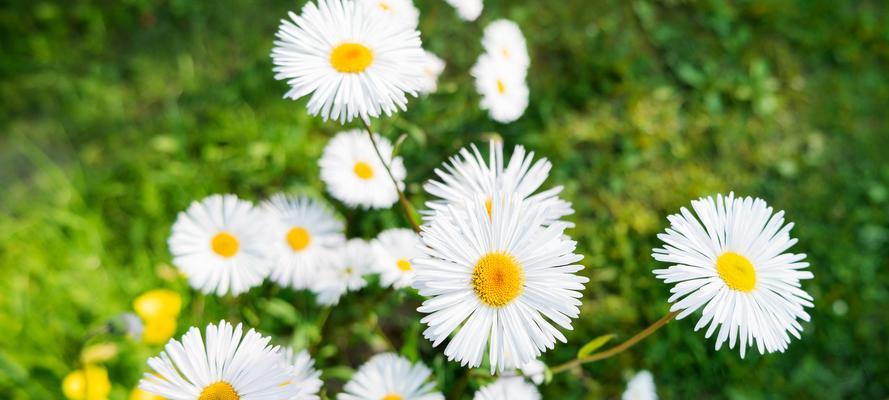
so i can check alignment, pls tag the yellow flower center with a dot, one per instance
(488, 207)
(737, 271)
(385, 6)
(298, 238)
(403, 264)
(391, 396)
(501, 87)
(497, 279)
(351, 58)
(363, 170)
(225, 244)
(221, 390)
(505, 52)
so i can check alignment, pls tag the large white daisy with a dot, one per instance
(353, 63)
(469, 174)
(730, 258)
(399, 11)
(503, 40)
(390, 377)
(354, 174)
(346, 274)
(394, 252)
(502, 87)
(508, 388)
(229, 366)
(469, 10)
(640, 387)
(433, 66)
(303, 375)
(498, 282)
(221, 243)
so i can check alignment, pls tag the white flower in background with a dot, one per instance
(502, 87)
(497, 281)
(351, 62)
(390, 377)
(394, 251)
(303, 374)
(400, 11)
(469, 10)
(229, 366)
(503, 40)
(508, 388)
(304, 233)
(730, 258)
(468, 174)
(354, 174)
(640, 387)
(534, 370)
(433, 66)
(346, 274)
(221, 243)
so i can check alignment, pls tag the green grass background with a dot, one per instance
(116, 114)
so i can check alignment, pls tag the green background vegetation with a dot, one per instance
(116, 114)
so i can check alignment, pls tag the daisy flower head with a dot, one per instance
(503, 40)
(303, 375)
(640, 387)
(352, 62)
(229, 365)
(394, 253)
(730, 257)
(354, 174)
(502, 87)
(305, 233)
(433, 66)
(220, 243)
(535, 370)
(346, 274)
(508, 388)
(501, 282)
(468, 10)
(388, 376)
(398, 11)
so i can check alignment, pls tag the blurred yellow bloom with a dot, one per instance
(159, 330)
(98, 353)
(89, 383)
(158, 303)
(139, 394)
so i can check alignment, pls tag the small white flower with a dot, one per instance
(351, 62)
(502, 87)
(433, 66)
(304, 233)
(226, 366)
(535, 370)
(351, 262)
(508, 388)
(730, 258)
(354, 174)
(503, 40)
(221, 243)
(394, 251)
(469, 10)
(303, 375)
(640, 387)
(390, 377)
(399, 11)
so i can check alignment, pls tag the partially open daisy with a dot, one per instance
(351, 62)
(220, 243)
(394, 251)
(354, 174)
(399, 11)
(640, 387)
(304, 234)
(468, 174)
(303, 375)
(469, 10)
(502, 87)
(432, 66)
(508, 388)
(730, 258)
(503, 40)
(497, 282)
(229, 365)
(346, 274)
(390, 377)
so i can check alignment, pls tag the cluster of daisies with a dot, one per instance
(501, 71)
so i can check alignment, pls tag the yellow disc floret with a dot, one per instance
(225, 244)
(363, 170)
(298, 238)
(403, 264)
(219, 391)
(737, 271)
(497, 279)
(391, 396)
(351, 58)
(501, 87)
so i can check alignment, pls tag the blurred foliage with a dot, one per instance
(117, 114)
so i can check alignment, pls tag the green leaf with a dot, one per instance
(398, 143)
(593, 345)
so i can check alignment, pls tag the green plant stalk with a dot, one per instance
(405, 204)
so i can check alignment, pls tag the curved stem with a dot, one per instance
(619, 348)
(405, 204)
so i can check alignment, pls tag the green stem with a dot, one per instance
(405, 204)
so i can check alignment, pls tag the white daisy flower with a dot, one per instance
(469, 174)
(353, 63)
(730, 258)
(400, 11)
(508, 388)
(220, 243)
(503, 40)
(640, 387)
(346, 274)
(469, 10)
(390, 377)
(394, 252)
(535, 370)
(305, 232)
(498, 282)
(433, 66)
(229, 366)
(303, 375)
(354, 174)
(502, 87)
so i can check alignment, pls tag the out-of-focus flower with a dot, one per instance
(131, 324)
(139, 394)
(508, 388)
(640, 387)
(354, 174)
(159, 330)
(350, 263)
(399, 11)
(303, 376)
(502, 87)
(503, 40)
(89, 383)
(98, 353)
(433, 66)
(158, 303)
(469, 10)
(534, 370)
(390, 377)
(394, 253)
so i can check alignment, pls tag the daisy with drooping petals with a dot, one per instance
(640, 387)
(351, 62)
(433, 66)
(499, 282)
(304, 232)
(346, 274)
(220, 243)
(354, 174)
(468, 175)
(503, 40)
(228, 365)
(394, 251)
(399, 11)
(730, 258)
(469, 10)
(390, 377)
(303, 374)
(508, 388)
(502, 87)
